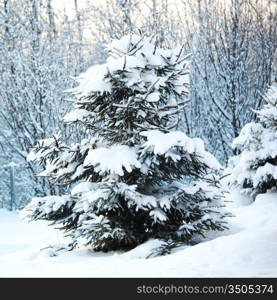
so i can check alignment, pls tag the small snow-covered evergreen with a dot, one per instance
(254, 170)
(134, 177)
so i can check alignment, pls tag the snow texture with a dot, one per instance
(77, 115)
(49, 204)
(161, 143)
(123, 55)
(249, 249)
(113, 160)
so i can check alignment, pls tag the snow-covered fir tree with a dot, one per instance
(134, 177)
(254, 170)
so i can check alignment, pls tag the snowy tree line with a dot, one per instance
(233, 62)
(38, 57)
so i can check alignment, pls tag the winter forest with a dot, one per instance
(143, 132)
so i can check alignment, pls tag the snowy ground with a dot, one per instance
(249, 249)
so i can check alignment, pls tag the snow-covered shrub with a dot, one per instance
(136, 176)
(254, 170)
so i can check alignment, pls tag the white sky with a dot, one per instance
(69, 4)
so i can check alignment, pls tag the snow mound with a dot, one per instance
(83, 187)
(143, 251)
(77, 115)
(249, 249)
(131, 54)
(47, 204)
(113, 160)
(162, 143)
(89, 82)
